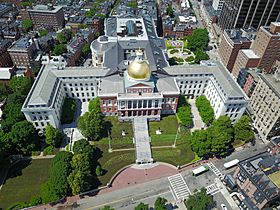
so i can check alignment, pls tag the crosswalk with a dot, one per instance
(178, 186)
(215, 170)
(212, 189)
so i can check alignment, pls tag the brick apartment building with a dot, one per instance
(22, 52)
(267, 45)
(245, 59)
(5, 59)
(256, 180)
(231, 42)
(248, 79)
(43, 16)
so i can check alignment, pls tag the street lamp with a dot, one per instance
(109, 138)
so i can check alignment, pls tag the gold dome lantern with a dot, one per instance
(139, 70)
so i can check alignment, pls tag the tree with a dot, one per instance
(53, 136)
(86, 50)
(12, 114)
(169, 11)
(20, 85)
(24, 136)
(57, 186)
(90, 125)
(200, 55)
(160, 203)
(200, 143)
(27, 25)
(243, 130)
(221, 135)
(142, 206)
(205, 110)
(184, 114)
(199, 200)
(94, 105)
(59, 49)
(198, 40)
(61, 38)
(80, 179)
(83, 147)
(43, 32)
(99, 171)
(4, 91)
(5, 143)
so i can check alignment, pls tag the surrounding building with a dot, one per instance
(131, 77)
(218, 4)
(232, 41)
(267, 45)
(264, 106)
(5, 59)
(257, 179)
(6, 74)
(51, 17)
(249, 13)
(245, 59)
(248, 79)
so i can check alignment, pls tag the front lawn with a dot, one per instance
(180, 155)
(23, 181)
(112, 162)
(168, 126)
(117, 127)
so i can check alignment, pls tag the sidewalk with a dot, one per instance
(197, 121)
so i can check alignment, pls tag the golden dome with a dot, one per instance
(139, 70)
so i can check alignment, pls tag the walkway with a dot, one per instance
(142, 140)
(197, 121)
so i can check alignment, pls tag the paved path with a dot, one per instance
(197, 121)
(142, 140)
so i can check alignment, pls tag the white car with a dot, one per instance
(224, 207)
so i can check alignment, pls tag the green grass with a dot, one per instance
(23, 181)
(117, 127)
(180, 155)
(112, 162)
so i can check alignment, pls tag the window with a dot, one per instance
(145, 104)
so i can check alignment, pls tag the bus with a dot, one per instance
(231, 163)
(200, 170)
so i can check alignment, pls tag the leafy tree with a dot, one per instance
(243, 130)
(61, 38)
(169, 11)
(83, 147)
(43, 32)
(90, 125)
(20, 85)
(27, 25)
(94, 105)
(59, 49)
(184, 114)
(200, 143)
(68, 111)
(53, 136)
(12, 114)
(80, 179)
(35, 200)
(200, 55)
(160, 203)
(198, 40)
(205, 110)
(142, 206)
(4, 91)
(199, 200)
(221, 135)
(86, 50)
(133, 5)
(24, 136)
(5, 143)
(57, 186)
(99, 171)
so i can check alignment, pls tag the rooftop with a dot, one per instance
(45, 8)
(272, 81)
(250, 54)
(21, 44)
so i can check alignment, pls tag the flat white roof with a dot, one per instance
(250, 53)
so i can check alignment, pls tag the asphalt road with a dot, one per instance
(128, 198)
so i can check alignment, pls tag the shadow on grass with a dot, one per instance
(16, 170)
